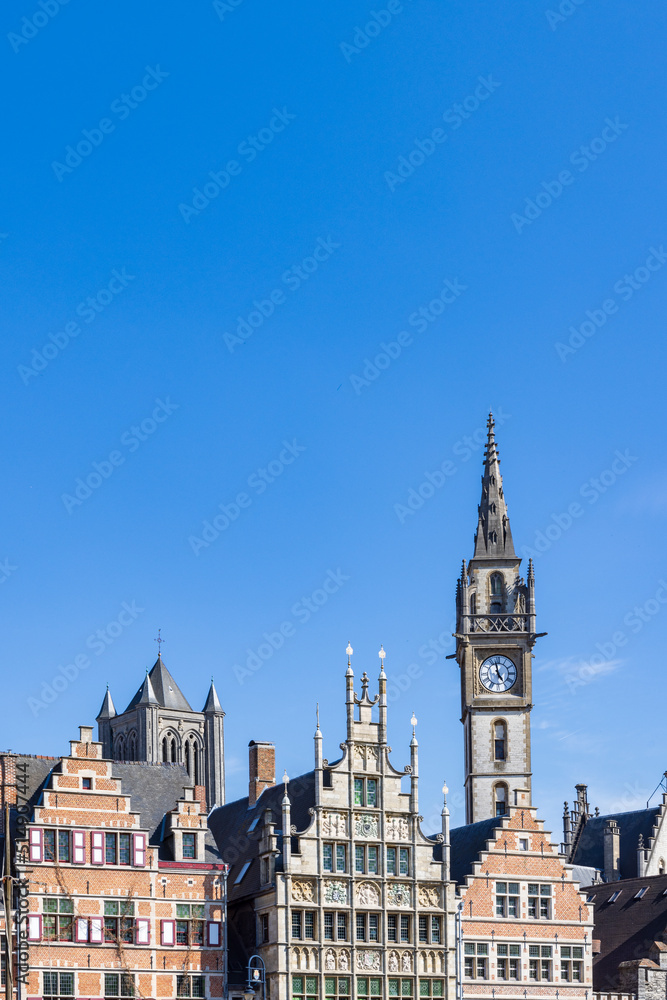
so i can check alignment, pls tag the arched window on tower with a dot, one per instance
(473, 604)
(172, 748)
(165, 749)
(500, 740)
(132, 746)
(500, 799)
(192, 758)
(496, 593)
(120, 748)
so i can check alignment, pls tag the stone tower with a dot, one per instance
(495, 634)
(159, 725)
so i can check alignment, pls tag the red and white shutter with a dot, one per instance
(35, 841)
(78, 847)
(214, 934)
(142, 931)
(34, 927)
(139, 843)
(96, 930)
(81, 930)
(168, 932)
(96, 848)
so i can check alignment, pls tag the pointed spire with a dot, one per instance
(108, 709)
(494, 537)
(212, 701)
(146, 693)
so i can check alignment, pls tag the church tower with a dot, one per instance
(495, 635)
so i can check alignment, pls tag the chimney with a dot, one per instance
(262, 768)
(612, 850)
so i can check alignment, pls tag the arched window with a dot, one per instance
(496, 585)
(120, 748)
(192, 758)
(132, 746)
(500, 740)
(165, 750)
(174, 759)
(500, 797)
(473, 604)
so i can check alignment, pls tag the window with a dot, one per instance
(431, 988)
(334, 857)
(614, 896)
(336, 987)
(190, 923)
(366, 792)
(189, 845)
(400, 988)
(642, 892)
(539, 901)
(335, 922)
(398, 861)
(496, 584)
(118, 984)
(190, 986)
(368, 927)
(429, 930)
(3, 970)
(328, 926)
(369, 987)
(365, 860)
(405, 927)
(473, 609)
(58, 984)
(500, 741)
(500, 799)
(57, 845)
(507, 899)
(87, 783)
(523, 843)
(392, 927)
(476, 960)
(264, 928)
(58, 924)
(539, 963)
(508, 961)
(304, 986)
(341, 927)
(117, 849)
(118, 922)
(571, 964)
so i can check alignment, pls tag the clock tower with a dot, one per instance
(495, 635)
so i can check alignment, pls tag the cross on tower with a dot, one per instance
(159, 642)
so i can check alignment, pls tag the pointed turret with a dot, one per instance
(108, 709)
(493, 539)
(212, 701)
(146, 693)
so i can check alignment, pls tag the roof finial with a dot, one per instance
(413, 723)
(159, 642)
(349, 652)
(317, 714)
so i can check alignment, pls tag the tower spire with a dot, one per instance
(493, 538)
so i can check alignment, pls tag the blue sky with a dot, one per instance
(217, 218)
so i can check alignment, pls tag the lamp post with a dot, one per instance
(256, 976)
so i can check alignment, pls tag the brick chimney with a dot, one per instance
(612, 851)
(262, 768)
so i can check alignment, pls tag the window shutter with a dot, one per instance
(81, 929)
(142, 931)
(96, 848)
(139, 843)
(214, 928)
(34, 927)
(35, 841)
(78, 847)
(96, 930)
(168, 932)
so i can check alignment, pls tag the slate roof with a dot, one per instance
(627, 928)
(238, 844)
(590, 847)
(167, 691)
(467, 843)
(34, 776)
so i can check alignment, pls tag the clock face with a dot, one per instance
(497, 673)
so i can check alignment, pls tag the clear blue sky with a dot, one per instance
(498, 167)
